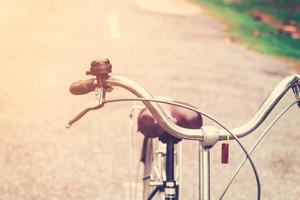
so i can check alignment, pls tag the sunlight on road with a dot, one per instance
(175, 50)
(114, 25)
(174, 7)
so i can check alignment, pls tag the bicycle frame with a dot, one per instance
(207, 136)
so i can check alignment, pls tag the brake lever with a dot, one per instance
(100, 69)
(83, 112)
(296, 90)
(94, 105)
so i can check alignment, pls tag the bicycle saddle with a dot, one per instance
(149, 126)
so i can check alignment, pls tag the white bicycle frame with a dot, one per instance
(207, 136)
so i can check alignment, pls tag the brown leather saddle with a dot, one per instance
(149, 126)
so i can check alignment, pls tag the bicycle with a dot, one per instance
(183, 122)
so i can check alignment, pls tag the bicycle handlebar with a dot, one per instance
(111, 81)
(166, 123)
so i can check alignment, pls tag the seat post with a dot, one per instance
(170, 186)
(170, 161)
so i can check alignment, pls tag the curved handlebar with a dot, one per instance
(292, 81)
(193, 134)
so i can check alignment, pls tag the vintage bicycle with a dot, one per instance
(164, 130)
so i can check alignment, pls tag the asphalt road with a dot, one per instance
(46, 45)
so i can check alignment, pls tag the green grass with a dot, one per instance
(242, 25)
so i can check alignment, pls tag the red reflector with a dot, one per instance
(225, 153)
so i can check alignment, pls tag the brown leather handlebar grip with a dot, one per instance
(82, 87)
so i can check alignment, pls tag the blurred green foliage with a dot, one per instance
(259, 36)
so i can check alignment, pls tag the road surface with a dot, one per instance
(174, 52)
